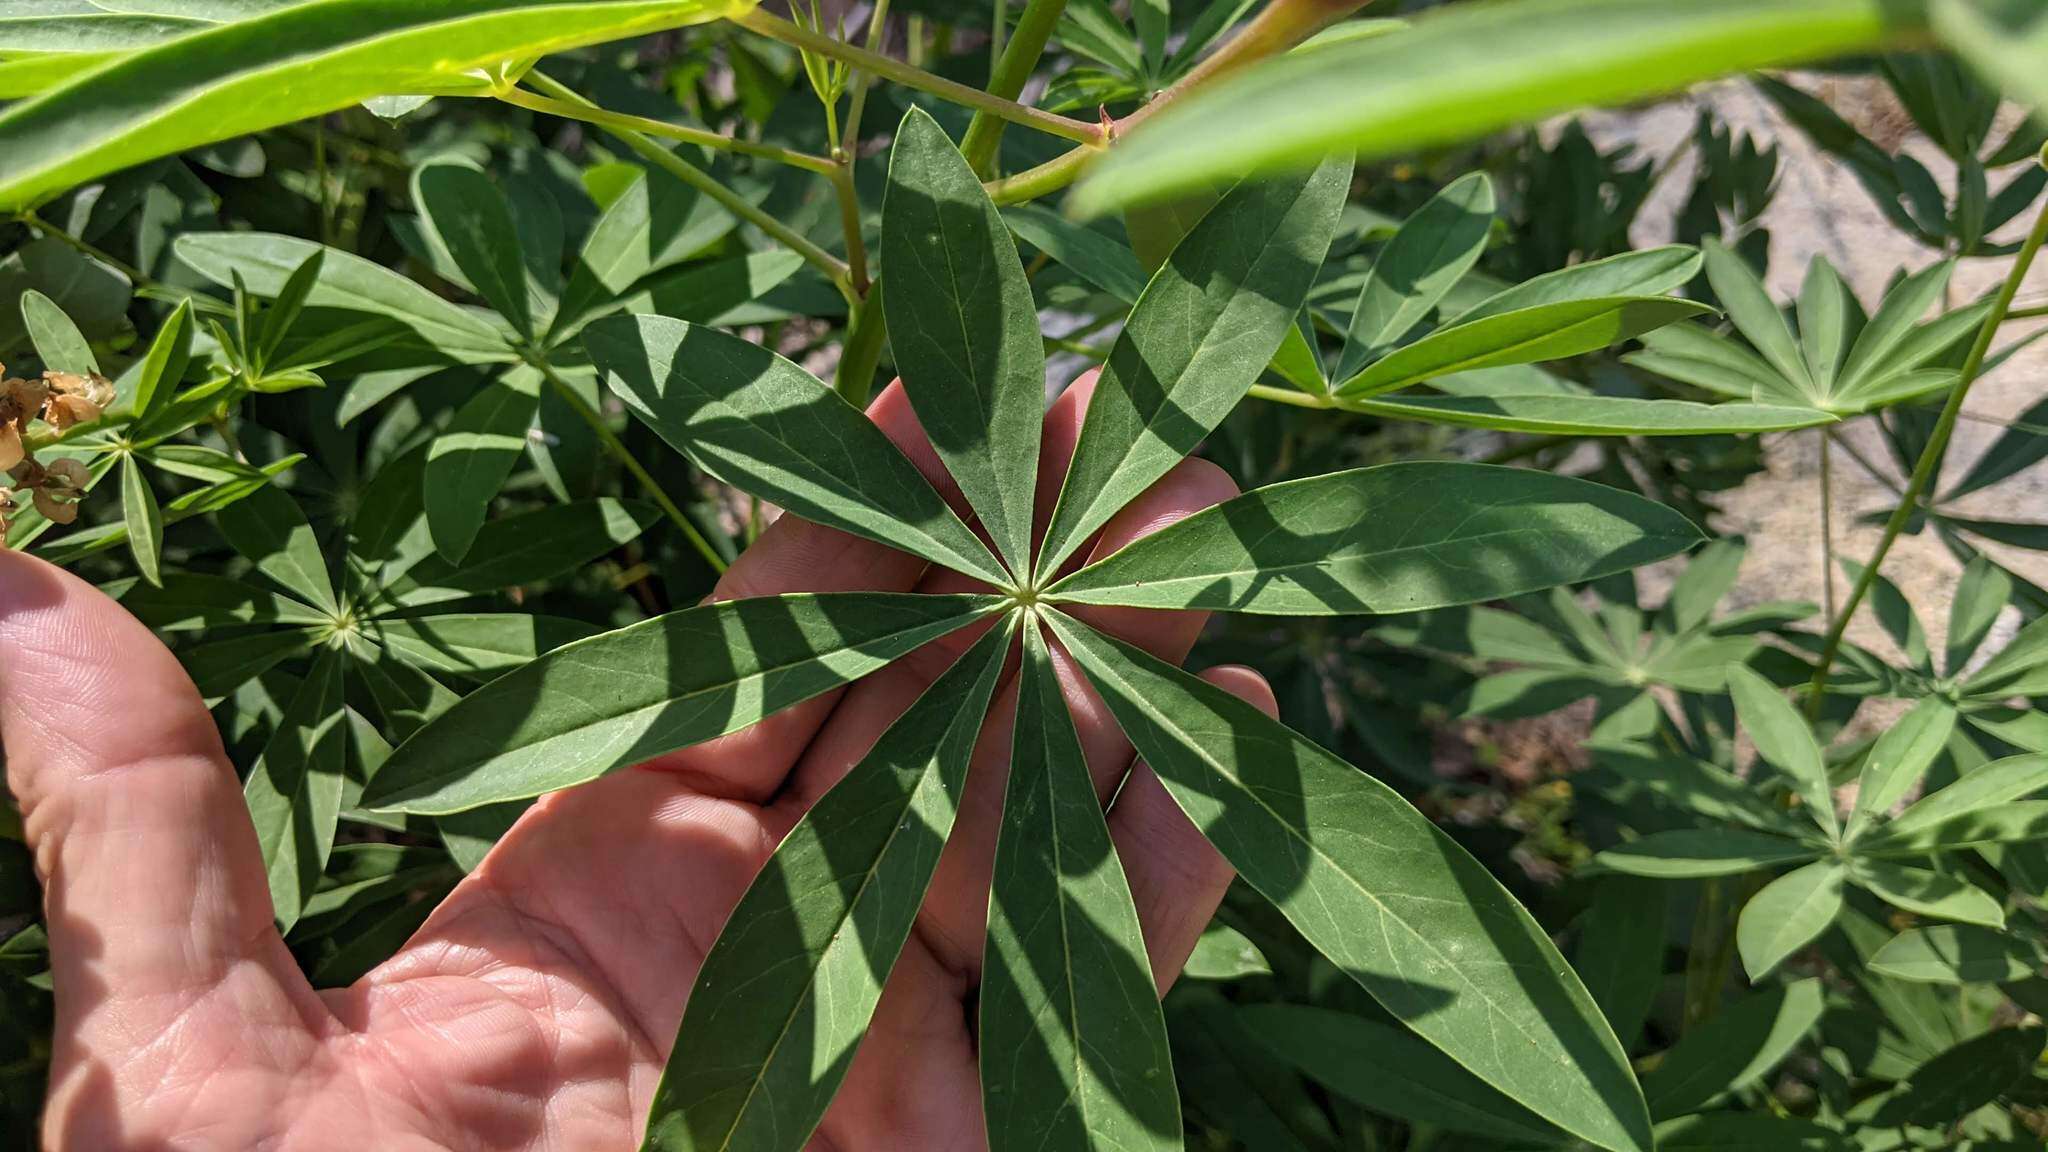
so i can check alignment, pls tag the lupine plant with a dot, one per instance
(415, 369)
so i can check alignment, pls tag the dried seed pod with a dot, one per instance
(64, 411)
(55, 510)
(12, 451)
(67, 476)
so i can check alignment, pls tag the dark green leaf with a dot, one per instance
(650, 688)
(471, 219)
(1395, 538)
(1735, 1047)
(1692, 852)
(1591, 415)
(1790, 913)
(1427, 256)
(294, 791)
(1784, 741)
(1074, 1051)
(1620, 951)
(268, 529)
(1649, 272)
(1373, 885)
(1524, 336)
(467, 464)
(145, 521)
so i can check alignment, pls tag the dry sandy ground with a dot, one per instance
(1821, 210)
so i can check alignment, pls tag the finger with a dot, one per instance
(954, 919)
(155, 890)
(795, 555)
(1177, 877)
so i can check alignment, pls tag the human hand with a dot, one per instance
(536, 1006)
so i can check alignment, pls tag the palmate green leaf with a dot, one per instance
(1390, 1072)
(1980, 596)
(1735, 1047)
(530, 547)
(1463, 72)
(1693, 355)
(1425, 259)
(1687, 853)
(1893, 328)
(1377, 888)
(198, 502)
(1073, 1044)
(468, 462)
(291, 64)
(1991, 786)
(772, 429)
(1395, 538)
(1784, 741)
(152, 379)
(294, 791)
(1928, 893)
(58, 342)
(1829, 318)
(218, 667)
(1790, 913)
(1648, 272)
(1751, 310)
(1999, 824)
(653, 687)
(1207, 324)
(1523, 336)
(471, 219)
(1956, 954)
(1591, 415)
(1964, 1078)
(964, 330)
(1902, 755)
(786, 993)
(652, 224)
(145, 520)
(270, 531)
(265, 262)
(1703, 789)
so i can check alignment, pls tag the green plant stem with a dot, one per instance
(1292, 396)
(857, 102)
(1044, 180)
(652, 127)
(1863, 461)
(833, 267)
(1827, 529)
(776, 28)
(2030, 312)
(618, 450)
(1930, 458)
(862, 349)
(85, 248)
(849, 223)
(1007, 78)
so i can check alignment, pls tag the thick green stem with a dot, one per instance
(1007, 79)
(878, 25)
(1827, 529)
(776, 28)
(604, 118)
(1930, 459)
(85, 248)
(697, 178)
(618, 450)
(849, 223)
(1291, 396)
(2030, 312)
(862, 349)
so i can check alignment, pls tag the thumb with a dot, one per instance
(154, 887)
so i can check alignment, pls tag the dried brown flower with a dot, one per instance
(76, 399)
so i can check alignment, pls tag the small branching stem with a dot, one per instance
(1019, 57)
(1929, 462)
(649, 126)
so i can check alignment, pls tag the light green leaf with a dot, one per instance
(1709, 575)
(1389, 1072)
(785, 995)
(1899, 758)
(1790, 913)
(1693, 355)
(1929, 893)
(150, 383)
(265, 261)
(1396, 538)
(1828, 318)
(1734, 1048)
(1208, 323)
(1981, 595)
(472, 221)
(1073, 1045)
(293, 64)
(1892, 325)
(1956, 954)
(1754, 314)
(59, 343)
(964, 330)
(1223, 953)
(268, 529)
(772, 429)
(145, 520)
(1685, 853)
(1784, 741)
(1990, 786)
(1649, 272)
(652, 224)
(653, 687)
(294, 791)
(1425, 259)
(1591, 415)
(1461, 72)
(1524, 336)
(468, 462)
(1375, 886)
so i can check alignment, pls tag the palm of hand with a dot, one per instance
(536, 1006)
